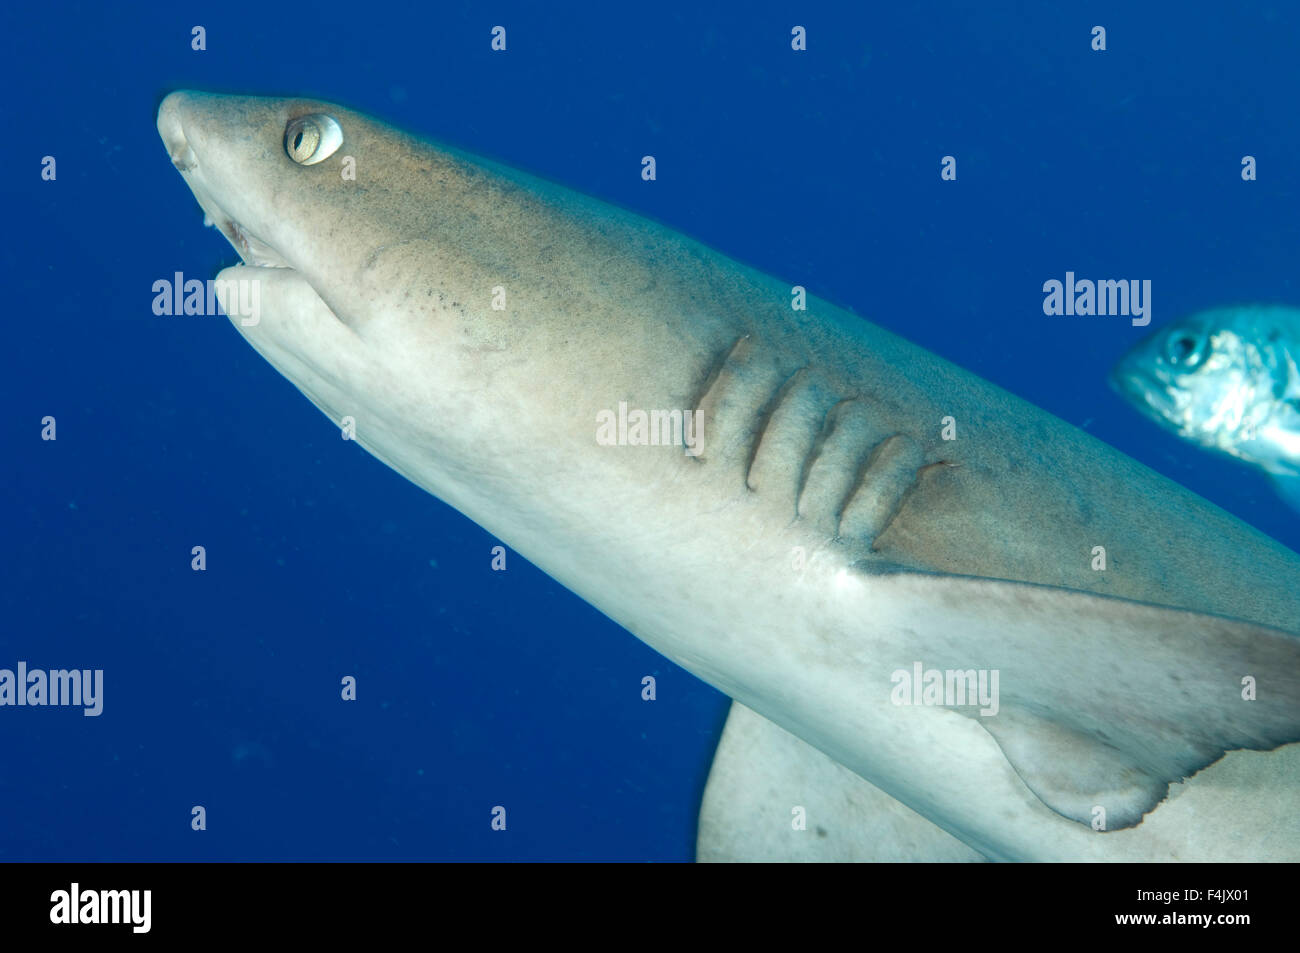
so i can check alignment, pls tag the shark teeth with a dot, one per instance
(255, 252)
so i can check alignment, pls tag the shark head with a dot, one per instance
(444, 306)
(362, 272)
(278, 179)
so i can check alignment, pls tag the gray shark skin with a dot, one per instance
(824, 538)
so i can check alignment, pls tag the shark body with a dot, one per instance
(823, 535)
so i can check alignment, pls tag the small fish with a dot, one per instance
(1225, 379)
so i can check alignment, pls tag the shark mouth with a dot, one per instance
(254, 251)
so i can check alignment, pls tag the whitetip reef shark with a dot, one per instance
(825, 553)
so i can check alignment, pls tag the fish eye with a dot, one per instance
(312, 139)
(1183, 349)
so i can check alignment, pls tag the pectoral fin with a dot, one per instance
(772, 797)
(1104, 702)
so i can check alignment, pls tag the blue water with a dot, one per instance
(476, 688)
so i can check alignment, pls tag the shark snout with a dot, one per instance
(186, 120)
(172, 131)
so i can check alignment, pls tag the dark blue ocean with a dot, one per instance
(479, 688)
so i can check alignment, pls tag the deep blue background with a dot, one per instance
(481, 688)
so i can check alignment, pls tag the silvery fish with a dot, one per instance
(1226, 379)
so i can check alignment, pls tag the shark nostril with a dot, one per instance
(172, 130)
(184, 159)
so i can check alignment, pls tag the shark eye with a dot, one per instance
(312, 139)
(1184, 349)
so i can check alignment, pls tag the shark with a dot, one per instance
(953, 626)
